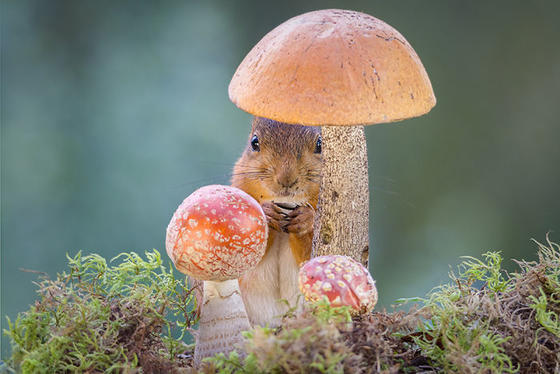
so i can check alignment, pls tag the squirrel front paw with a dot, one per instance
(275, 215)
(300, 220)
(285, 218)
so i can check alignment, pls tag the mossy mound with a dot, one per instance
(510, 323)
(485, 321)
(100, 318)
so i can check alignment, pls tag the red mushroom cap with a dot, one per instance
(217, 233)
(341, 279)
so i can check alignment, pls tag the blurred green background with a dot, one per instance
(113, 112)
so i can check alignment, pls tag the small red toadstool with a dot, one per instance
(341, 279)
(216, 234)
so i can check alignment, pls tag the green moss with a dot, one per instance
(458, 335)
(547, 303)
(485, 321)
(117, 317)
(509, 323)
(547, 318)
(97, 317)
(310, 342)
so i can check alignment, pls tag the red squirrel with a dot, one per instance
(280, 168)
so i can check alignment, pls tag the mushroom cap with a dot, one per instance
(217, 233)
(333, 67)
(341, 279)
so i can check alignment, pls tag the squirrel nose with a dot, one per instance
(286, 179)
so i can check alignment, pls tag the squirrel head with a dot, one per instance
(281, 162)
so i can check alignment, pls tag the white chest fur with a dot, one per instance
(273, 279)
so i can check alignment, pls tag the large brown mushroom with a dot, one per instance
(216, 234)
(338, 69)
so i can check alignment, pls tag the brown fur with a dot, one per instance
(286, 169)
(287, 153)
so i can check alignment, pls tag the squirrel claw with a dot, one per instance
(289, 218)
(301, 220)
(277, 219)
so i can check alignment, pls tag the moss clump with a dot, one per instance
(324, 339)
(104, 318)
(311, 342)
(507, 324)
(485, 321)
(110, 318)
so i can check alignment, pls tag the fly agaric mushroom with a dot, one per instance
(338, 69)
(216, 234)
(341, 280)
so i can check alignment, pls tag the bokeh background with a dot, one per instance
(113, 112)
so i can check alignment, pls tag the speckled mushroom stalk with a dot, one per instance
(342, 280)
(338, 69)
(342, 223)
(216, 234)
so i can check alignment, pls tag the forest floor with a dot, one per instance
(132, 316)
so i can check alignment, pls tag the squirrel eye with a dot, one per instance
(318, 145)
(255, 143)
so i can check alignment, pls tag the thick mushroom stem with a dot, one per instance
(222, 319)
(341, 226)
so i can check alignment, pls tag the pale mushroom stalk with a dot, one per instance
(342, 221)
(222, 319)
(215, 235)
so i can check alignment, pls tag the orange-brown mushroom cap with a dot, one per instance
(333, 67)
(217, 233)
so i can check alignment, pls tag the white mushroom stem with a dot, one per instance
(341, 226)
(222, 319)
